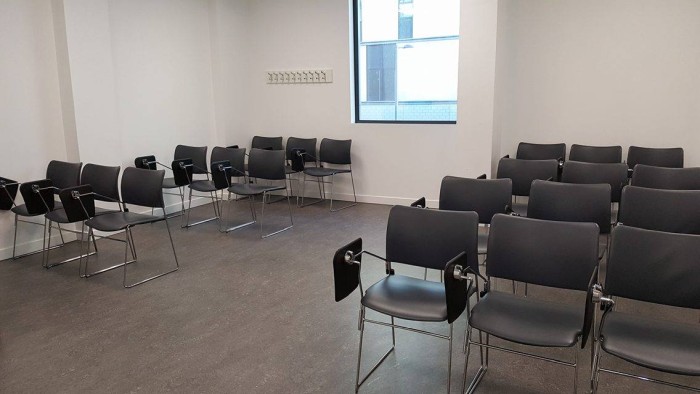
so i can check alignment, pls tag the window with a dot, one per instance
(406, 54)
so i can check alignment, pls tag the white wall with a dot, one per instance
(31, 126)
(392, 163)
(599, 72)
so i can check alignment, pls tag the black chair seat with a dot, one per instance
(323, 171)
(21, 210)
(169, 183)
(58, 216)
(483, 243)
(527, 321)
(661, 345)
(252, 189)
(407, 298)
(119, 220)
(203, 186)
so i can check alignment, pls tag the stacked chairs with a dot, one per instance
(522, 173)
(654, 267)
(445, 240)
(59, 175)
(104, 181)
(139, 187)
(596, 154)
(331, 152)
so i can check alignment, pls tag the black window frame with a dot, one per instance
(356, 82)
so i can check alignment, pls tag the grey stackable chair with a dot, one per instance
(563, 255)
(529, 151)
(522, 173)
(444, 240)
(596, 154)
(655, 267)
(657, 157)
(139, 187)
(198, 157)
(666, 178)
(673, 211)
(614, 174)
(266, 165)
(334, 152)
(62, 175)
(104, 181)
(267, 143)
(486, 197)
(300, 152)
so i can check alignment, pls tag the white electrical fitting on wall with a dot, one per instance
(300, 76)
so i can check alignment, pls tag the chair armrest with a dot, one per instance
(509, 211)
(419, 203)
(482, 176)
(347, 263)
(589, 314)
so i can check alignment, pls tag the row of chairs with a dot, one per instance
(78, 190)
(659, 157)
(534, 250)
(267, 161)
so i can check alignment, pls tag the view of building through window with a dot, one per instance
(406, 60)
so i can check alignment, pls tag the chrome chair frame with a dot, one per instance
(485, 355)
(3, 186)
(354, 259)
(322, 190)
(129, 246)
(213, 195)
(226, 168)
(607, 304)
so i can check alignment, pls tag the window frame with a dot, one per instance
(356, 79)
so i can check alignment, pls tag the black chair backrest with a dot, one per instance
(523, 172)
(431, 238)
(654, 266)
(528, 151)
(8, 192)
(267, 164)
(146, 162)
(570, 202)
(659, 157)
(596, 154)
(38, 196)
(198, 154)
(235, 157)
(614, 174)
(267, 143)
(542, 252)
(307, 144)
(103, 179)
(78, 202)
(143, 187)
(673, 211)
(666, 178)
(335, 151)
(486, 197)
(63, 174)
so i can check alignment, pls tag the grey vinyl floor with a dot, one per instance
(245, 315)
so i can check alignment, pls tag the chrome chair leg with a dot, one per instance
(353, 193)
(361, 327)
(262, 214)
(449, 362)
(130, 237)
